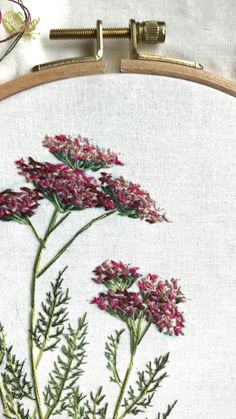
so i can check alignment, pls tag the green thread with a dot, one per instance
(14, 22)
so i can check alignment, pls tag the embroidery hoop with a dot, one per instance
(31, 80)
(148, 32)
(127, 66)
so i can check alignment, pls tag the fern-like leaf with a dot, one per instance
(74, 406)
(2, 344)
(67, 369)
(15, 379)
(94, 408)
(111, 350)
(147, 383)
(168, 412)
(50, 324)
(16, 411)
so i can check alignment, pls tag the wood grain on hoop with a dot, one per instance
(53, 74)
(179, 72)
(127, 66)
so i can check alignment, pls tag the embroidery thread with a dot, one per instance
(68, 187)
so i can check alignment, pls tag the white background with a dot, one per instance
(179, 143)
(196, 29)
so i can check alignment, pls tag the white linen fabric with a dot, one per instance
(198, 30)
(179, 144)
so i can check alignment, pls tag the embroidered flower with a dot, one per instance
(131, 200)
(161, 299)
(124, 304)
(80, 153)
(68, 189)
(18, 206)
(116, 275)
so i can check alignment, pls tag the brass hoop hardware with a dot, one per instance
(134, 53)
(149, 32)
(75, 60)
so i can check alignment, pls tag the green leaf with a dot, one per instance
(74, 406)
(16, 410)
(168, 412)
(94, 408)
(51, 320)
(79, 164)
(2, 344)
(147, 383)
(111, 349)
(67, 369)
(15, 379)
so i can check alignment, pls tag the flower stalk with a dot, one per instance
(36, 268)
(68, 188)
(65, 247)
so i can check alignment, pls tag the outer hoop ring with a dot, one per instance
(127, 66)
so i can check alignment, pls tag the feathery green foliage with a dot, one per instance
(67, 368)
(147, 383)
(111, 350)
(168, 412)
(75, 409)
(2, 344)
(93, 407)
(16, 410)
(50, 324)
(15, 379)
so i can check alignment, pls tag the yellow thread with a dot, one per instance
(14, 22)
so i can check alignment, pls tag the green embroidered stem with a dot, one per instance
(59, 222)
(44, 343)
(136, 335)
(51, 409)
(143, 333)
(4, 402)
(34, 230)
(32, 317)
(123, 387)
(65, 247)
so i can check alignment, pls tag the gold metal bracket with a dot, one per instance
(149, 32)
(152, 31)
(97, 57)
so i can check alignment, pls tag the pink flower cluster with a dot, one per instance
(81, 150)
(131, 200)
(123, 303)
(66, 187)
(157, 300)
(18, 205)
(161, 299)
(118, 273)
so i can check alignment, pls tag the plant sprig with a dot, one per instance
(51, 320)
(74, 408)
(15, 379)
(93, 407)
(67, 369)
(168, 411)
(147, 383)
(111, 350)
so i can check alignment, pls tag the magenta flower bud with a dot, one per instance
(131, 200)
(123, 304)
(161, 299)
(80, 153)
(18, 206)
(68, 189)
(116, 275)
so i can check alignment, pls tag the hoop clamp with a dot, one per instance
(149, 32)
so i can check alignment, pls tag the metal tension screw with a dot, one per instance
(149, 32)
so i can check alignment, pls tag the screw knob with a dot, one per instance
(151, 32)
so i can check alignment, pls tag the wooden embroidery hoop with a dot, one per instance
(138, 64)
(127, 66)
